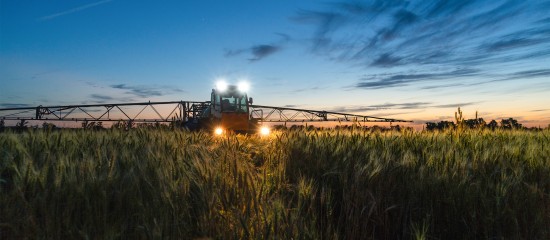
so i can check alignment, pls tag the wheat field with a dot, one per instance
(320, 184)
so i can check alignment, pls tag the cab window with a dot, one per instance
(234, 104)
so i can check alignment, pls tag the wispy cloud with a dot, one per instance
(257, 52)
(73, 10)
(307, 89)
(101, 97)
(406, 105)
(442, 86)
(411, 105)
(455, 105)
(353, 109)
(402, 79)
(428, 35)
(98, 98)
(14, 105)
(529, 74)
(144, 91)
(260, 51)
(396, 114)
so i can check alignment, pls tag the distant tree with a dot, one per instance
(442, 125)
(283, 127)
(492, 125)
(477, 123)
(92, 125)
(297, 127)
(21, 125)
(48, 126)
(510, 123)
(396, 128)
(121, 125)
(534, 128)
(445, 125)
(431, 126)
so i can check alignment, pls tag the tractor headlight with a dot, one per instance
(218, 131)
(264, 131)
(243, 87)
(221, 86)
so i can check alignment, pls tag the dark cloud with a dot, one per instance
(455, 105)
(257, 52)
(521, 75)
(502, 45)
(442, 86)
(98, 98)
(400, 79)
(382, 115)
(307, 89)
(260, 51)
(14, 105)
(531, 74)
(140, 91)
(386, 60)
(418, 105)
(412, 105)
(101, 97)
(394, 33)
(404, 17)
(352, 109)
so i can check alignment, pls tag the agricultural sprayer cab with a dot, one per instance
(229, 109)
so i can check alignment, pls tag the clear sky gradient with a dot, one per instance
(415, 60)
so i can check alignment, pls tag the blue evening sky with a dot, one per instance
(416, 60)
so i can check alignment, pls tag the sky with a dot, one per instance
(413, 60)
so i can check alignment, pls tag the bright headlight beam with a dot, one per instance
(264, 131)
(221, 86)
(218, 131)
(243, 86)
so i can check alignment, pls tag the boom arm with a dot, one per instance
(176, 111)
(173, 111)
(284, 114)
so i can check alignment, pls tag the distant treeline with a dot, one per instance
(477, 123)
